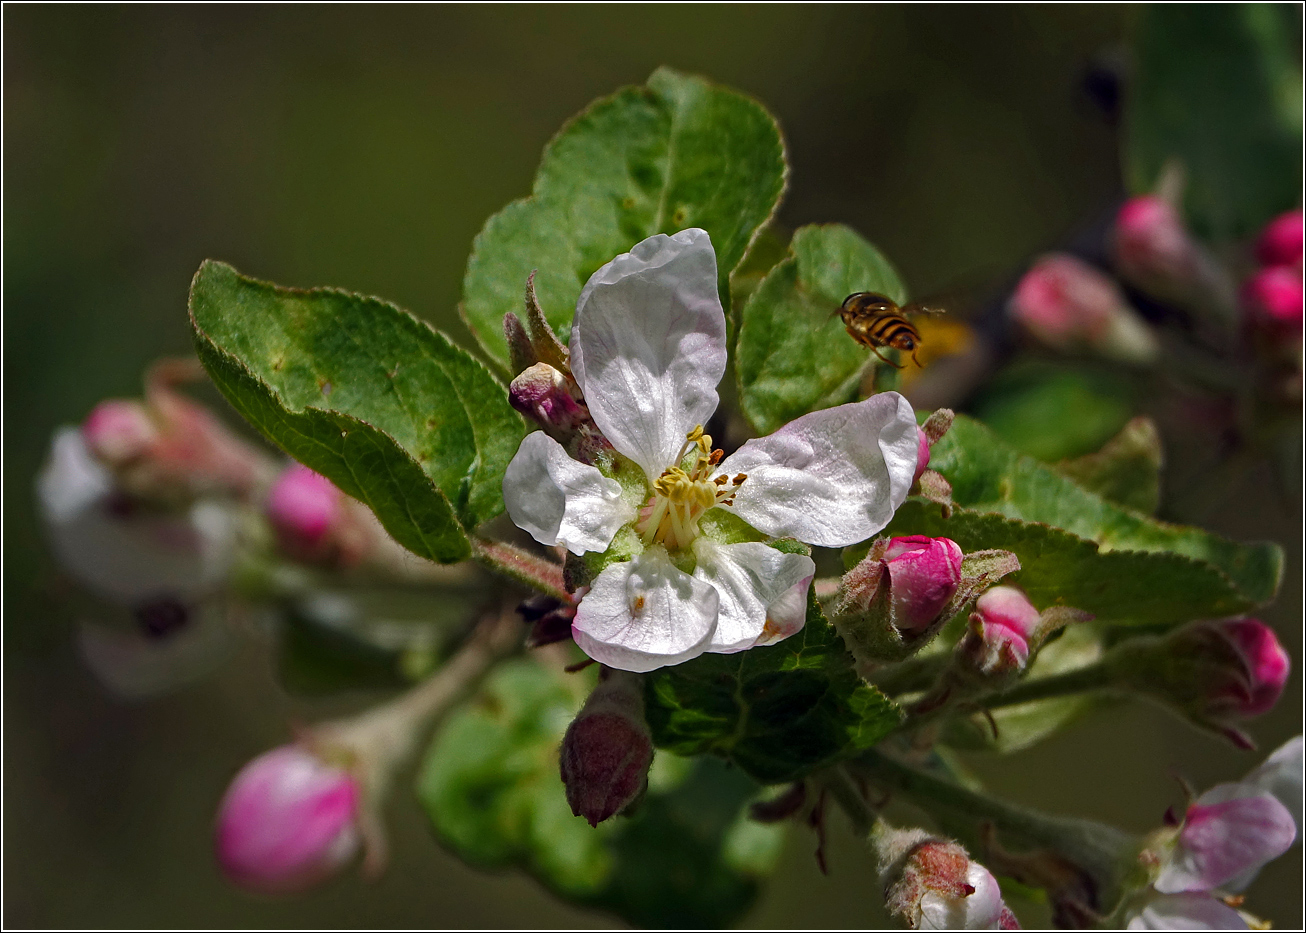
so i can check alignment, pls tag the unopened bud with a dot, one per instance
(933, 884)
(288, 821)
(1152, 246)
(1214, 673)
(1272, 300)
(924, 574)
(1066, 302)
(119, 431)
(303, 508)
(545, 395)
(905, 589)
(1002, 626)
(1280, 243)
(608, 749)
(1005, 630)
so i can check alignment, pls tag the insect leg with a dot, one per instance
(876, 351)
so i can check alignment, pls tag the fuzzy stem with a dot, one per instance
(913, 675)
(845, 792)
(385, 737)
(1080, 680)
(1102, 851)
(522, 566)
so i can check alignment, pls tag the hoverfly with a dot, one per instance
(876, 321)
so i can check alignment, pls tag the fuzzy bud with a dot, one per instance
(303, 508)
(1214, 673)
(933, 884)
(1272, 300)
(1066, 302)
(548, 397)
(924, 573)
(1002, 626)
(608, 749)
(1151, 243)
(1280, 243)
(288, 821)
(905, 589)
(119, 431)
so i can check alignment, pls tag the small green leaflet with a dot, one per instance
(678, 152)
(793, 355)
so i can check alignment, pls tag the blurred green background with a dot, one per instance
(364, 147)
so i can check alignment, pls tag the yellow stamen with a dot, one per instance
(683, 493)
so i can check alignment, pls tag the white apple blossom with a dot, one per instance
(126, 554)
(648, 348)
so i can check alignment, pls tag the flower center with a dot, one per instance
(681, 495)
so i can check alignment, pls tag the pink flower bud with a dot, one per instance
(1007, 621)
(303, 508)
(1151, 242)
(1280, 243)
(608, 749)
(1064, 300)
(925, 573)
(287, 822)
(1215, 673)
(1273, 300)
(546, 395)
(922, 454)
(1267, 666)
(118, 431)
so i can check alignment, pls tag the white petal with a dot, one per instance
(648, 345)
(129, 556)
(559, 500)
(1186, 912)
(980, 910)
(644, 614)
(1281, 775)
(830, 478)
(750, 578)
(136, 667)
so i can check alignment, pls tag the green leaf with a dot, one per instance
(687, 856)
(793, 354)
(989, 476)
(777, 712)
(1126, 471)
(1218, 87)
(367, 395)
(1059, 568)
(676, 153)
